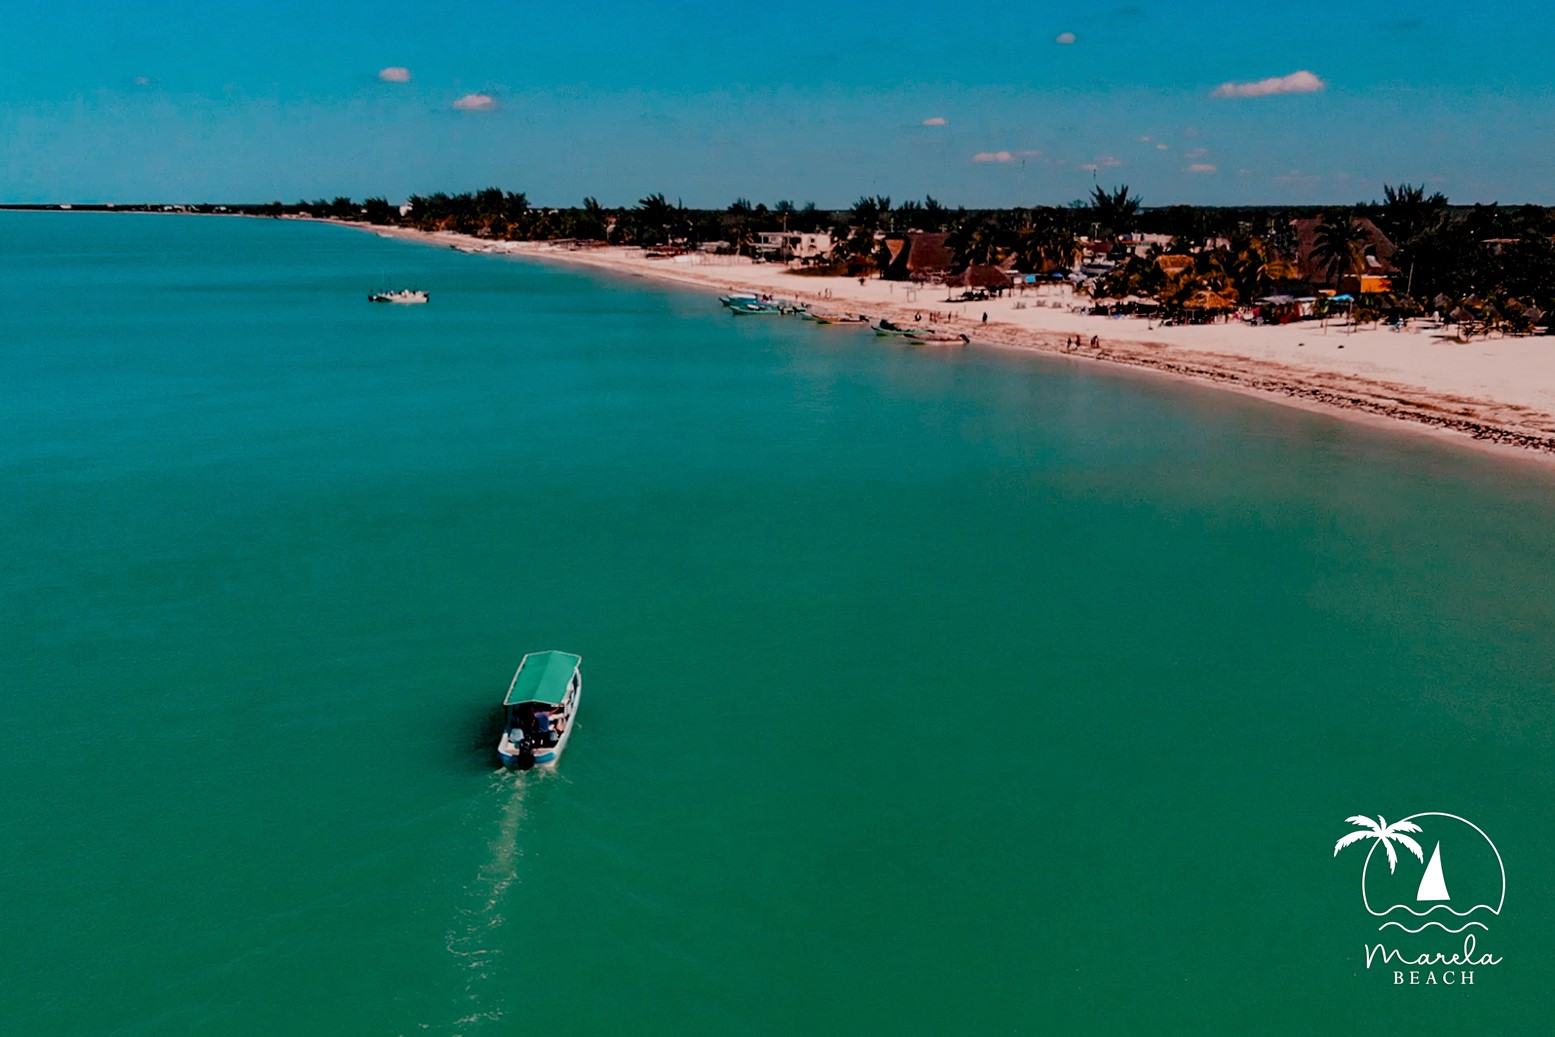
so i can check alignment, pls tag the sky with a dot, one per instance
(994, 105)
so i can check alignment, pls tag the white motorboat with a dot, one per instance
(404, 295)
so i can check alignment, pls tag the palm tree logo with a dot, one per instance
(1385, 834)
(1480, 873)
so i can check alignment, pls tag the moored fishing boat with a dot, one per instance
(539, 709)
(757, 309)
(404, 295)
(886, 329)
(955, 338)
(839, 318)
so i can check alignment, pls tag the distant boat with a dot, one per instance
(540, 707)
(757, 309)
(839, 318)
(737, 300)
(404, 295)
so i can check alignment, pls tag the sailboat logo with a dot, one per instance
(1420, 888)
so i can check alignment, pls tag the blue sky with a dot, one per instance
(709, 101)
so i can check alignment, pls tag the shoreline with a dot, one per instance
(1512, 416)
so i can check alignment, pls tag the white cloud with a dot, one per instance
(1162, 147)
(394, 74)
(1195, 153)
(1146, 140)
(142, 80)
(1203, 167)
(1066, 38)
(938, 120)
(476, 103)
(1004, 156)
(1296, 83)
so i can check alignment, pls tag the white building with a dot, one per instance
(789, 244)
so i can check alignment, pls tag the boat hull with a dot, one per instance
(508, 752)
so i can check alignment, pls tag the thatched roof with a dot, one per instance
(1378, 245)
(927, 254)
(979, 277)
(1204, 299)
(1174, 265)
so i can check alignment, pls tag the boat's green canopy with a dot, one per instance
(543, 677)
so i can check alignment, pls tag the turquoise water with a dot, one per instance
(926, 691)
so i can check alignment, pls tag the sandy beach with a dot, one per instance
(1497, 392)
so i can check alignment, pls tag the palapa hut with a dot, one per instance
(1207, 299)
(1377, 251)
(1173, 266)
(988, 277)
(1205, 303)
(927, 257)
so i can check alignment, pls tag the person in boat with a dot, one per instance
(543, 729)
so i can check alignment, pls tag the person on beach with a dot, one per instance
(985, 318)
(1095, 341)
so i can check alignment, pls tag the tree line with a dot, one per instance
(1485, 262)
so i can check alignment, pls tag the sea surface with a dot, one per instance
(926, 691)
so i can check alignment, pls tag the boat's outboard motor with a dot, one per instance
(526, 754)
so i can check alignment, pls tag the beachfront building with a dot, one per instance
(1375, 253)
(1141, 244)
(928, 257)
(789, 246)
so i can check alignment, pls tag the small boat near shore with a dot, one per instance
(937, 335)
(839, 318)
(403, 295)
(762, 306)
(885, 329)
(539, 709)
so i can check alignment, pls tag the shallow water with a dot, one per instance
(926, 691)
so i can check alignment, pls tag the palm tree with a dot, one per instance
(1384, 833)
(1114, 212)
(977, 243)
(1045, 244)
(1258, 266)
(1338, 244)
(872, 213)
(1408, 210)
(654, 214)
(934, 214)
(592, 223)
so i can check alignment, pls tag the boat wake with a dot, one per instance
(1438, 925)
(472, 940)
